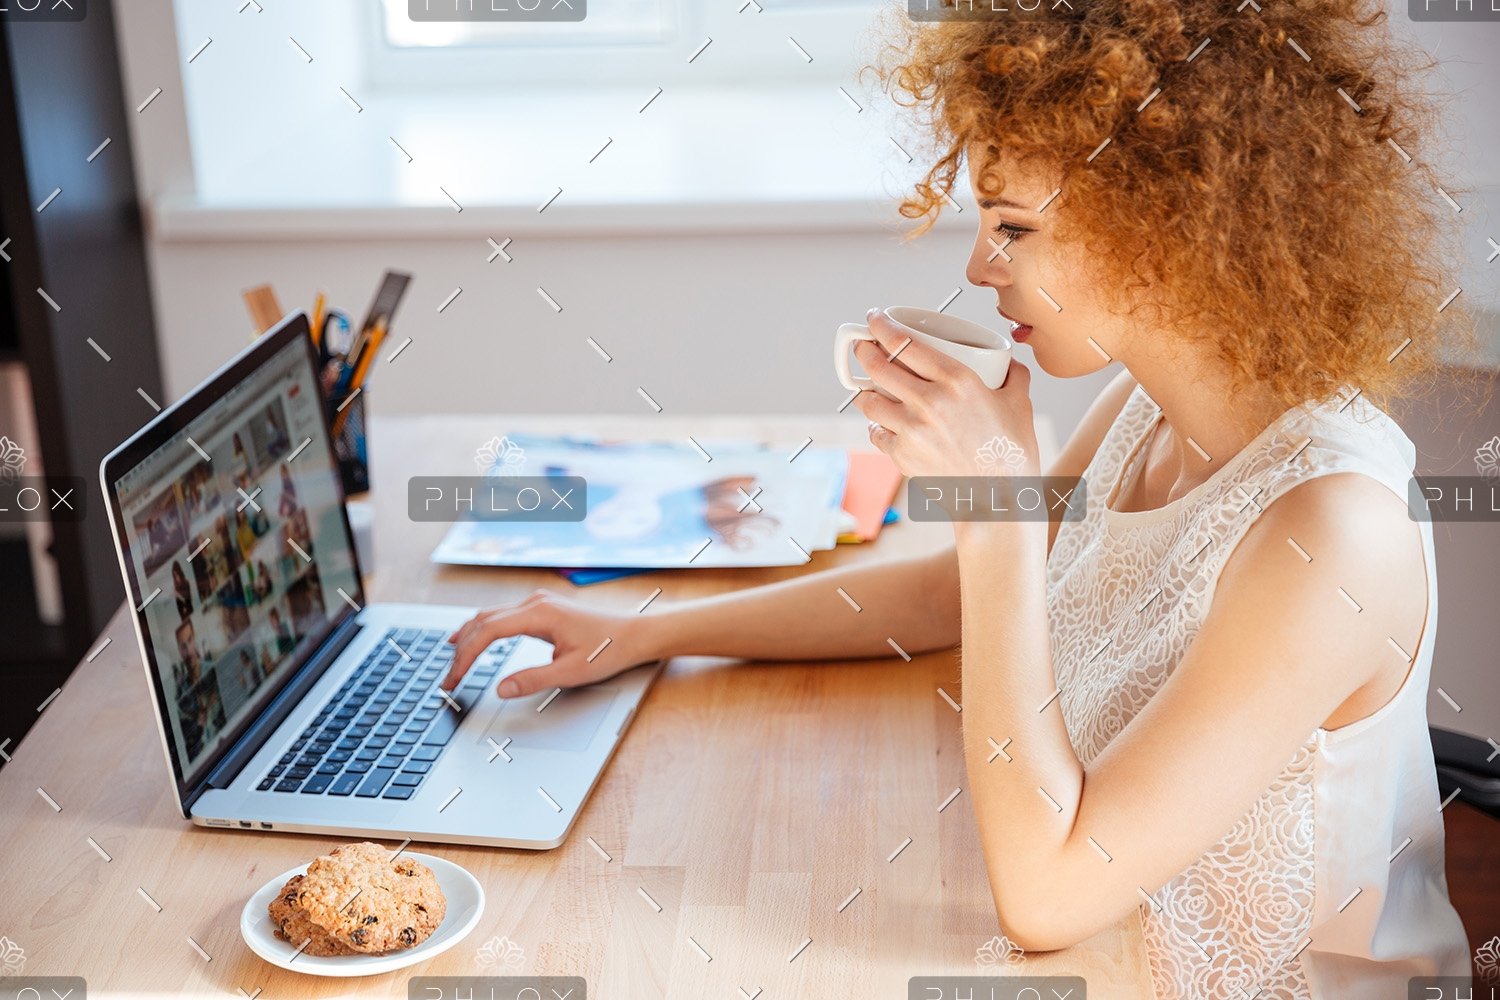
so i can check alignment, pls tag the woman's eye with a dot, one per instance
(1014, 232)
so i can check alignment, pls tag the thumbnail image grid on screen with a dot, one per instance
(239, 584)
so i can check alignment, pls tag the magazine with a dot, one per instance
(663, 504)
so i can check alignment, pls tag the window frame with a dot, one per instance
(826, 29)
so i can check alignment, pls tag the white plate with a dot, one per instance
(463, 892)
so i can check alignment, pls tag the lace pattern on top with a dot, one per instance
(1124, 607)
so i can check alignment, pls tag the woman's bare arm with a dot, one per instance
(912, 601)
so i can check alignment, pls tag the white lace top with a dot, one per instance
(1332, 885)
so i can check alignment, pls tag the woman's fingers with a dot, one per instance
(558, 673)
(927, 362)
(887, 413)
(889, 375)
(477, 635)
(536, 595)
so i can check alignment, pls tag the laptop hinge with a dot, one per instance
(274, 714)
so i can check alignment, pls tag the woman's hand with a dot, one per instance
(942, 414)
(575, 631)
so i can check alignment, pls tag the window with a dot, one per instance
(639, 42)
(613, 22)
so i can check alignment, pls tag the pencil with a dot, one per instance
(367, 354)
(317, 319)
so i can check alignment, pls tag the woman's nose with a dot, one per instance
(983, 271)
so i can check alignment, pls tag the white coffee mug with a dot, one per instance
(978, 347)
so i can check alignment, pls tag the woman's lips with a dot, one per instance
(1021, 330)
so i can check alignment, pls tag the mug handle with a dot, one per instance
(843, 344)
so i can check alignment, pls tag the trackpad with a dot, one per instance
(568, 722)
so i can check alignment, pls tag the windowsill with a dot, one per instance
(180, 220)
(708, 158)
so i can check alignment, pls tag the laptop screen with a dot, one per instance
(238, 545)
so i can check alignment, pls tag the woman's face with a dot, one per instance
(1015, 254)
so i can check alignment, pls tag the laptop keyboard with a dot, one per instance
(379, 735)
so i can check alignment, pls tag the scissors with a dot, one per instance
(336, 336)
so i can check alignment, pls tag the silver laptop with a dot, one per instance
(285, 701)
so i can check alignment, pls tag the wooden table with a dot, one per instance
(750, 801)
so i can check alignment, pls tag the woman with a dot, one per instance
(182, 591)
(287, 506)
(1233, 645)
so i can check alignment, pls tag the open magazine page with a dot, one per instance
(661, 504)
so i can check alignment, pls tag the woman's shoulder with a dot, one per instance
(1348, 433)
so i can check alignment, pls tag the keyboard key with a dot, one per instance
(345, 785)
(426, 753)
(359, 732)
(309, 760)
(339, 756)
(357, 766)
(367, 754)
(408, 738)
(374, 782)
(417, 766)
(309, 732)
(329, 767)
(399, 792)
(287, 758)
(407, 778)
(378, 742)
(443, 728)
(265, 785)
(399, 750)
(276, 771)
(317, 784)
(298, 773)
(288, 784)
(391, 762)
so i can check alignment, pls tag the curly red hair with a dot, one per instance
(1266, 175)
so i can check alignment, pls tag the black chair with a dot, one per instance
(1465, 763)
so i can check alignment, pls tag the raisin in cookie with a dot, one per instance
(369, 903)
(293, 925)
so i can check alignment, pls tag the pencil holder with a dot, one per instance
(350, 445)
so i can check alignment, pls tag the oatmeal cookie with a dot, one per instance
(294, 926)
(369, 903)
